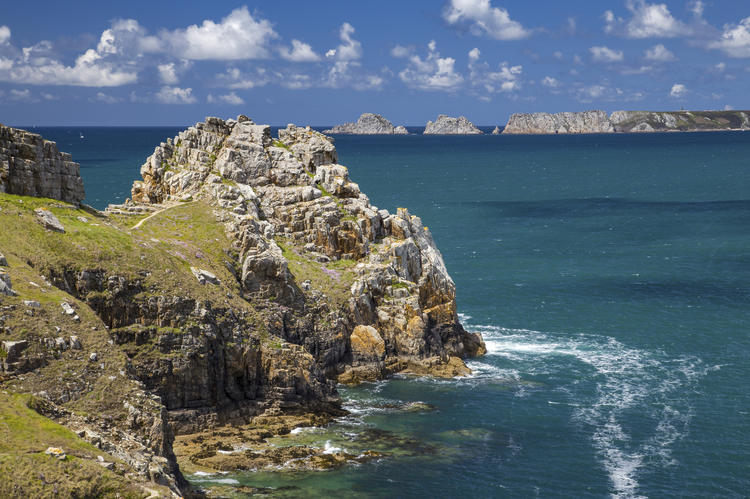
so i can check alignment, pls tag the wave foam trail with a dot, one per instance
(612, 388)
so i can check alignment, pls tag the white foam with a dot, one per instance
(626, 381)
(328, 448)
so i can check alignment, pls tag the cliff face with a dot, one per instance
(679, 121)
(627, 122)
(545, 123)
(446, 125)
(32, 166)
(368, 124)
(244, 278)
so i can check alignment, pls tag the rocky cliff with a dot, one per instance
(368, 124)
(627, 122)
(245, 277)
(679, 121)
(446, 125)
(32, 166)
(545, 123)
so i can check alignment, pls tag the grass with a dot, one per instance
(278, 143)
(334, 279)
(25, 471)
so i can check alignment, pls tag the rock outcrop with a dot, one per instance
(496, 131)
(368, 124)
(545, 123)
(32, 166)
(627, 122)
(256, 276)
(446, 125)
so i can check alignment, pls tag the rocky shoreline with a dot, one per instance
(244, 278)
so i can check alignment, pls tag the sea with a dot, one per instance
(610, 278)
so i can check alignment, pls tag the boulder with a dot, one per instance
(3, 261)
(204, 276)
(48, 220)
(13, 350)
(67, 309)
(367, 344)
(6, 287)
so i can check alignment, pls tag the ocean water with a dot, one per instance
(610, 277)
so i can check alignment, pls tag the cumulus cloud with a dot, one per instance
(21, 95)
(678, 91)
(401, 52)
(168, 73)
(482, 18)
(238, 36)
(735, 39)
(4, 35)
(349, 49)
(605, 93)
(659, 53)
(485, 80)
(231, 98)
(431, 73)
(300, 52)
(236, 79)
(606, 54)
(89, 70)
(175, 95)
(646, 21)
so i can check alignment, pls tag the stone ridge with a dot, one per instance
(627, 122)
(368, 124)
(446, 125)
(32, 166)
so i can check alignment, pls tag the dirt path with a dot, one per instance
(157, 212)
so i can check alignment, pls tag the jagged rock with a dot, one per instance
(204, 276)
(75, 343)
(6, 286)
(48, 220)
(61, 344)
(496, 131)
(93, 357)
(32, 166)
(56, 452)
(368, 124)
(13, 350)
(3, 261)
(446, 125)
(67, 309)
(400, 130)
(32, 303)
(545, 123)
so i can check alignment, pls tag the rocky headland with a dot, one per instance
(627, 122)
(217, 307)
(368, 124)
(446, 125)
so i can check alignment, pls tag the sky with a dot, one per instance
(326, 62)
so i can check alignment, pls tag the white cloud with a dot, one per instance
(48, 96)
(647, 21)
(238, 36)
(678, 91)
(175, 95)
(231, 98)
(349, 49)
(550, 82)
(697, 7)
(659, 53)
(484, 19)
(105, 98)
(236, 79)
(735, 40)
(300, 52)
(431, 73)
(168, 73)
(88, 71)
(604, 93)
(21, 95)
(401, 52)
(486, 81)
(727, 107)
(721, 67)
(4, 35)
(474, 54)
(606, 54)
(297, 81)
(558, 55)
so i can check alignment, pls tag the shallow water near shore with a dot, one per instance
(610, 277)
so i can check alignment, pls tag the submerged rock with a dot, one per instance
(446, 125)
(368, 124)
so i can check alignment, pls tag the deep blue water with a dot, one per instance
(610, 276)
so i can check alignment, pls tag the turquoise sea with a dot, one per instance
(610, 277)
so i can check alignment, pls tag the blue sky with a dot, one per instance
(325, 62)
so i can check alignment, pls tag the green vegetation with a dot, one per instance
(25, 471)
(278, 143)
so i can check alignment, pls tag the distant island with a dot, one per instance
(368, 124)
(446, 125)
(627, 122)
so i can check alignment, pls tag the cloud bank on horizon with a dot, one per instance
(466, 53)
